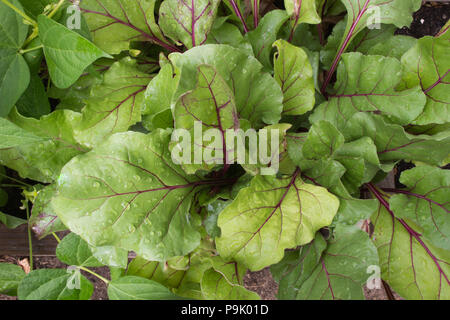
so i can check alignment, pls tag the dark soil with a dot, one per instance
(427, 21)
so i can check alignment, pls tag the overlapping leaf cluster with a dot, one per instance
(91, 114)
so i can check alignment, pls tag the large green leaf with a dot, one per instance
(265, 35)
(294, 74)
(74, 251)
(412, 266)
(115, 104)
(394, 144)
(425, 201)
(212, 104)
(188, 22)
(114, 23)
(257, 95)
(42, 161)
(270, 216)
(14, 71)
(66, 52)
(54, 284)
(137, 288)
(323, 141)
(128, 190)
(339, 273)
(428, 64)
(368, 84)
(10, 277)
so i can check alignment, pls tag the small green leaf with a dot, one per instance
(137, 288)
(54, 284)
(67, 53)
(10, 277)
(294, 74)
(322, 142)
(74, 251)
(34, 101)
(11, 222)
(265, 35)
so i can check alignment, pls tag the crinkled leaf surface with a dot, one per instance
(14, 71)
(115, 104)
(130, 193)
(270, 216)
(368, 84)
(257, 95)
(294, 74)
(426, 202)
(428, 64)
(66, 52)
(188, 21)
(53, 284)
(10, 277)
(323, 141)
(411, 265)
(114, 23)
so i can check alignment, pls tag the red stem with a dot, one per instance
(343, 48)
(239, 15)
